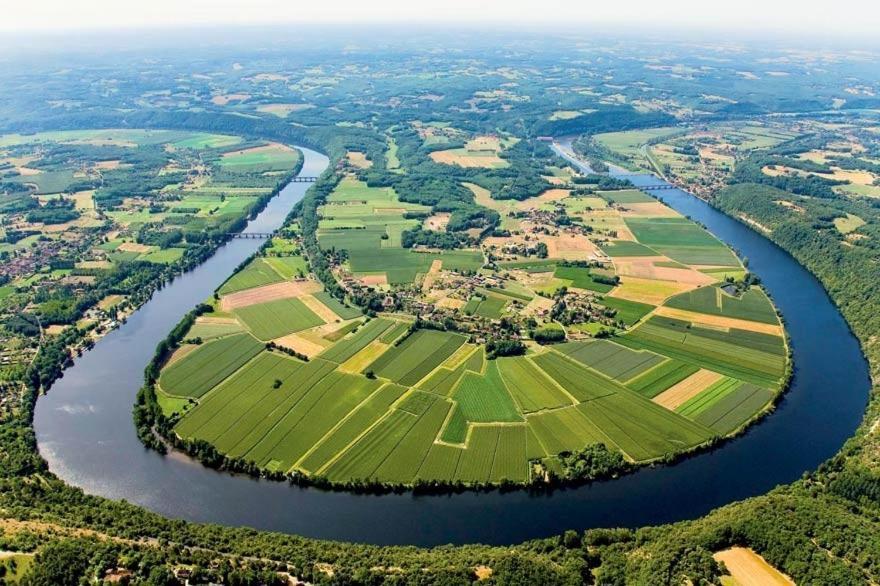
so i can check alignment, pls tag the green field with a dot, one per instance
(484, 398)
(256, 273)
(367, 222)
(627, 248)
(752, 305)
(748, 356)
(581, 278)
(274, 319)
(209, 364)
(416, 357)
(682, 240)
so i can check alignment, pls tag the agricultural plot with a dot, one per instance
(530, 387)
(417, 356)
(491, 307)
(288, 266)
(340, 309)
(367, 222)
(656, 380)
(748, 356)
(257, 272)
(354, 343)
(682, 240)
(277, 318)
(581, 278)
(271, 157)
(199, 371)
(752, 305)
(484, 398)
(612, 360)
(629, 312)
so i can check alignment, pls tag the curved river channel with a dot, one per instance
(85, 430)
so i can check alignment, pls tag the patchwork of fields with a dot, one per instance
(368, 222)
(309, 385)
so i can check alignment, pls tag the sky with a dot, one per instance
(822, 18)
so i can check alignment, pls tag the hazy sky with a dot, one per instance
(836, 18)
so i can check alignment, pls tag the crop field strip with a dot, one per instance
(744, 355)
(612, 360)
(681, 239)
(349, 346)
(348, 430)
(205, 367)
(417, 356)
(530, 387)
(484, 398)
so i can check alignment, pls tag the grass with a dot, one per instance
(288, 267)
(203, 140)
(475, 464)
(625, 196)
(200, 370)
(565, 430)
(368, 413)
(848, 224)
(492, 307)
(277, 318)
(208, 331)
(417, 356)
(265, 158)
(580, 382)
(484, 398)
(455, 431)
(256, 273)
(164, 256)
(405, 460)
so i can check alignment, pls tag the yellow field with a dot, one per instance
(848, 224)
(224, 99)
(359, 160)
(299, 343)
(283, 290)
(718, 321)
(364, 357)
(648, 290)
(646, 268)
(750, 569)
(679, 393)
(321, 310)
(437, 222)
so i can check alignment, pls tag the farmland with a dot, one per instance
(601, 317)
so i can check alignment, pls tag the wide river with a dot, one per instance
(85, 430)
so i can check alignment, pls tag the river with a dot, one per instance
(85, 431)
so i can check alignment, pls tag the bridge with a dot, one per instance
(251, 235)
(303, 179)
(656, 187)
